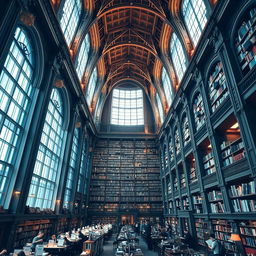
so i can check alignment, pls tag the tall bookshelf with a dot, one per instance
(198, 108)
(217, 83)
(246, 41)
(215, 199)
(202, 230)
(129, 181)
(185, 130)
(207, 157)
(177, 141)
(223, 230)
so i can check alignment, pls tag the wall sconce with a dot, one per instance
(27, 18)
(58, 201)
(16, 193)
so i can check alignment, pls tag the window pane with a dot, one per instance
(167, 85)
(91, 86)
(160, 107)
(48, 156)
(69, 20)
(194, 13)
(83, 57)
(127, 107)
(178, 57)
(71, 171)
(16, 92)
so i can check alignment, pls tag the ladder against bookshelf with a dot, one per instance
(185, 130)
(202, 231)
(232, 146)
(216, 201)
(197, 203)
(223, 230)
(245, 41)
(198, 109)
(247, 231)
(208, 159)
(191, 166)
(177, 141)
(217, 84)
(243, 196)
(171, 150)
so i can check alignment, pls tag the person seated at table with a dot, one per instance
(3, 252)
(67, 242)
(214, 246)
(37, 240)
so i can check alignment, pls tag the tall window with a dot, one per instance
(16, 92)
(160, 108)
(83, 57)
(178, 57)
(69, 19)
(83, 170)
(47, 167)
(91, 86)
(127, 107)
(71, 169)
(167, 85)
(194, 13)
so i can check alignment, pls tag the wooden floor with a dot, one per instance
(108, 248)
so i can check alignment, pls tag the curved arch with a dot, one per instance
(132, 45)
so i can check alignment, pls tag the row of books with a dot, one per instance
(217, 207)
(243, 189)
(215, 195)
(244, 205)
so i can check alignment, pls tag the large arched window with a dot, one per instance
(82, 57)
(83, 170)
(70, 15)
(167, 85)
(46, 171)
(127, 107)
(195, 16)
(16, 92)
(178, 56)
(91, 86)
(160, 108)
(71, 170)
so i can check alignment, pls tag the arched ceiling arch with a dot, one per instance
(132, 39)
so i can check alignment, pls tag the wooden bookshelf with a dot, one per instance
(223, 230)
(246, 41)
(243, 196)
(185, 203)
(175, 180)
(216, 201)
(129, 180)
(207, 157)
(177, 141)
(198, 203)
(198, 109)
(185, 130)
(217, 84)
(27, 230)
(171, 150)
(202, 231)
(248, 236)
(191, 165)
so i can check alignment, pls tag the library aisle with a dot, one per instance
(108, 248)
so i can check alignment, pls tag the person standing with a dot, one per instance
(215, 246)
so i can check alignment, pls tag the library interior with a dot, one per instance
(128, 127)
